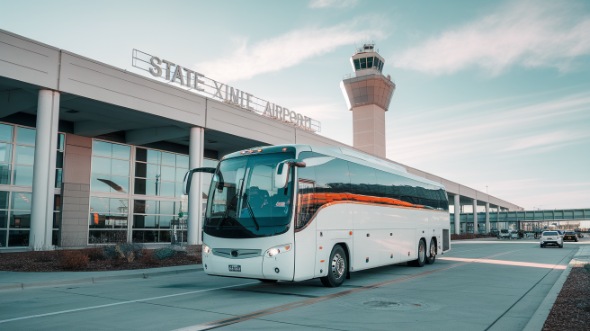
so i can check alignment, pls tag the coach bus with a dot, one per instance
(297, 212)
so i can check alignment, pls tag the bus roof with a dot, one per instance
(351, 155)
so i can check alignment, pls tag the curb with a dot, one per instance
(130, 274)
(540, 316)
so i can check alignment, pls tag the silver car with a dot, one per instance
(551, 238)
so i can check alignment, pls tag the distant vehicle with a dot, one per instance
(494, 232)
(580, 234)
(551, 238)
(504, 234)
(570, 236)
(514, 235)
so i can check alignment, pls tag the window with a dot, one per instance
(59, 160)
(328, 179)
(137, 194)
(110, 167)
(363, 63)
(24, 156)
(109, 203)
(20, 219)
(6, 132)
(17, 159)
(362, 180)
(357, 64)
(159, 173)
(306, 192)
(4, 196)
(333, 176)
(108, 220)
(378, 64)
(153, 220)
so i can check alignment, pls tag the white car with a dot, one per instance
(551, 238)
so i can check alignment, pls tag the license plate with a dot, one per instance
(235, 268)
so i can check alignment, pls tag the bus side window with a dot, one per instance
(306, 203)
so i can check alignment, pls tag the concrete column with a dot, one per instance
(488, 229)
(475, 231)
(457, 205)
(195, 198)
(44, 171)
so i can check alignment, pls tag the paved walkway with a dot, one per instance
(10, 280)
(538, 319)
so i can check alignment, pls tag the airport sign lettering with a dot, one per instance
(194, 81)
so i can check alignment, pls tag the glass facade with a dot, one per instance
(367, 63)
(17, 157)
(136, 194)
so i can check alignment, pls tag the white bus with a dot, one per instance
(297, 212)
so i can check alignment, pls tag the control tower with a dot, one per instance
(368, 94)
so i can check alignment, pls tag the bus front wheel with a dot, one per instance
(337, 269)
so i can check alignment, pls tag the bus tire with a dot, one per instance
(431, 254)
(421, 260)
(337, 269)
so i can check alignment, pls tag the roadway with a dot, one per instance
(479, 285)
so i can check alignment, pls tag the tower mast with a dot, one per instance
(368, 95)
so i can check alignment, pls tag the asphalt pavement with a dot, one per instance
(15, 281)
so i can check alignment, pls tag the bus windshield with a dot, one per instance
(245, 202)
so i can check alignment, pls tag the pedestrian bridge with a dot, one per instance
(524, 220)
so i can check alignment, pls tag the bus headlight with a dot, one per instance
(277, 250)
(206, 249)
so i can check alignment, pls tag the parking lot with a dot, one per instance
(479, 285)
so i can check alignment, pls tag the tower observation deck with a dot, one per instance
(368, 95)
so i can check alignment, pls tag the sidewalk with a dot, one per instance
(581, 257)
(10, 280)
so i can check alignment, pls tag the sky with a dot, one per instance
(494, 95)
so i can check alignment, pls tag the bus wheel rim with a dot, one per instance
(337, 266)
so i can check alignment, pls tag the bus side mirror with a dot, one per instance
(281, 176)
(188, 178)
(186, 183)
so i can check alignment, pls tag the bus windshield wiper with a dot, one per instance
(232, 202)
(249, 207)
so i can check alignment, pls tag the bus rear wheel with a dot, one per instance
(337, 269)
(421, 260)
(431, 254)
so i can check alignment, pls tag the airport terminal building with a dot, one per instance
(93, 154)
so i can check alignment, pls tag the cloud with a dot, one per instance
(546, 141)
(541, 194)
(332, 3)
(498, 128)
(287, 50)
(525, 33)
